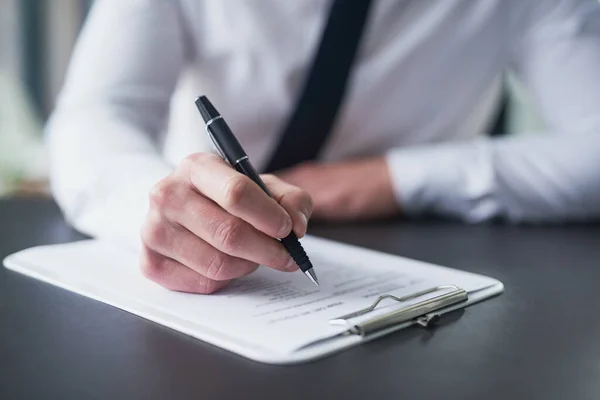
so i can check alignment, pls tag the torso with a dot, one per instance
(426, 71)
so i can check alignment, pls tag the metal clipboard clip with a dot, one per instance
(423, 312)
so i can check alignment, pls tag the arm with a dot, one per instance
(103, 135)
(550, 177)
(202, 224)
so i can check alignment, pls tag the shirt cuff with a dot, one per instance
(455, 179)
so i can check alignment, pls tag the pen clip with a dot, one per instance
(423, 312)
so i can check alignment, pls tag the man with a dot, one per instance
(410, 136)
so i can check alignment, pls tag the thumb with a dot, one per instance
(297, 202)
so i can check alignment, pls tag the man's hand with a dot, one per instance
(209, 224)
(349, 190)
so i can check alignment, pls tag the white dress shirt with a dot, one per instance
(425, 83)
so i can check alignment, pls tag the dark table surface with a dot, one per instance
(539, 340)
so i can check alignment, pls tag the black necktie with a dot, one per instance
(324, 88)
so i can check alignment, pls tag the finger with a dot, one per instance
(175, 276)
(179, 244)
(238, 195)
(223, 231)
(295, 201)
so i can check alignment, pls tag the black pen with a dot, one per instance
(230, 149)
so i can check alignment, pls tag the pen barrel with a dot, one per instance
(226, 142)
(293, 246)
(290, 242)
(231, 150)
(245, 167)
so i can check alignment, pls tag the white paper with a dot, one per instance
(268, 311)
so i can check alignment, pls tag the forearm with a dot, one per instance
(543, 178)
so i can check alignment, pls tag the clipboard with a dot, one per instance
(102, 271)
(425, 313)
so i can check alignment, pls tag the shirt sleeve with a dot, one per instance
(553, 176)
(103, 136)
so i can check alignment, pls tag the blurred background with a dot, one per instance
(36, 40)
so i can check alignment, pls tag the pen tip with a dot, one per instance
(310, 273)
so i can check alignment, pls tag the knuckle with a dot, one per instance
(191, 164)
(234, 190)
(229, 234)
(216, 266)
(152, 269)
(194, 158)
(164, 193)
(197, 159)
(153, 234)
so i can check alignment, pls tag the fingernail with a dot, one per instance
(291, 265)
(286, 228)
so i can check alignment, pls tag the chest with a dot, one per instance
(421, 39)
(422, 68)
